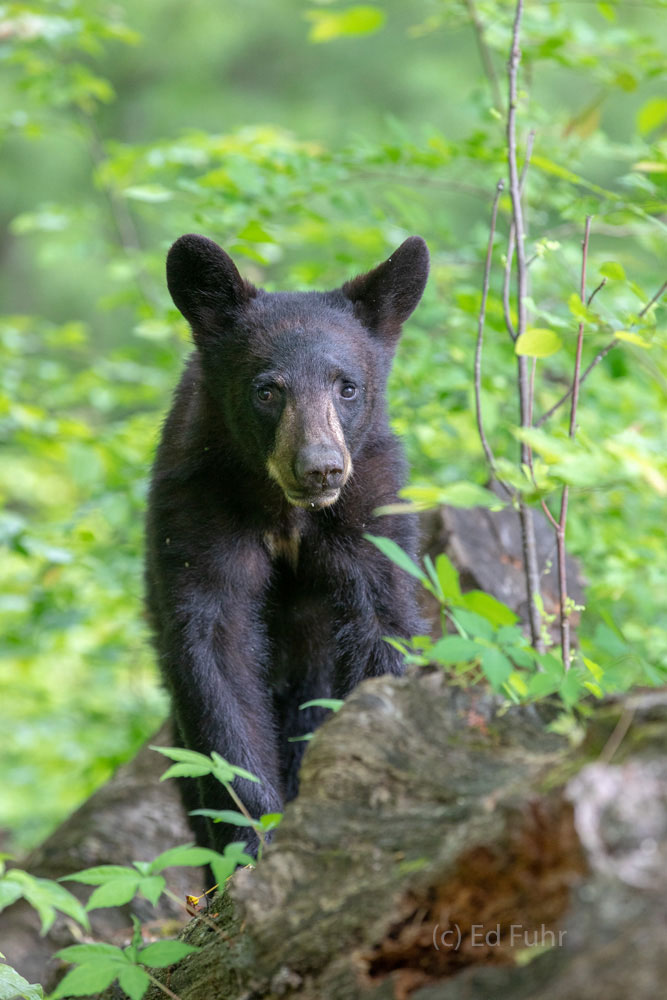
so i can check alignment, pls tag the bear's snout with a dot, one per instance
(319, 467)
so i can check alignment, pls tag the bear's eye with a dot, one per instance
(348, 391)
(264, 393)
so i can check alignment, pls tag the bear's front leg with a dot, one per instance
(213, 653)
(374, 598)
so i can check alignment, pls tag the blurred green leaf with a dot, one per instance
(538, 343)
(329, 25)
(652, 114)
(612, 269)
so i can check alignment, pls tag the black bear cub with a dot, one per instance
(262, 591)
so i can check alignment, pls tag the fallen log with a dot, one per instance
(440, 851)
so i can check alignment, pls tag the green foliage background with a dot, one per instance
(309, 138)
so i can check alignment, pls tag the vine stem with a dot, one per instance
(509, 257)
(564, 616)
(243, 809)
(161, 986)
(480, 341)
(599, 356)
(529, 545)
(485, 55)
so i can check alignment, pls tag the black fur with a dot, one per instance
(262, 591)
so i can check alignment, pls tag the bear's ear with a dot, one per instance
(384, 298)
(204, 283)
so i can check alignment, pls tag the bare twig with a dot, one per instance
(598, 358)
(595, 291)
(548, 512)
(480, 340)
(564, 616)
(658, 295)
(485, 55)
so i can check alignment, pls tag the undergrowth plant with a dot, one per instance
(483, 641)
(98, 964)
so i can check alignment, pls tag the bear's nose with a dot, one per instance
(319, 467)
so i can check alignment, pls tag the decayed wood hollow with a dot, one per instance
(498, 901)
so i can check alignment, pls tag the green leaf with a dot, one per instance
(154, 329)
(541, 685)
(182, 755)
(633, 338)
(571, 688)
(100, 874)
(269, 821)
(433, 577)
(493, 610)
(223, 869)
(47, 897)
(187, 856)
(328, 25)
(613, 270)
(225, 865)
(472, 623)
(333, 703)
(221, 764)
(10, 891)
(13, 985)
(115, 893)
(652, 114)
(538, 343)
(186, 771)
(448, 577)
(580, 310)
(549, 167)
(551, 449)
(86, 979)
(496, 666)
(462, 494)
(226, 816)
(148, 192)
(134, 981)
(164, 953)
(454, 649)
(255, 233)
(82, 953)
(152, 888)
(394, 552)
(607, 10)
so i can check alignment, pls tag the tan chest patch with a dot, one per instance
(281, 546)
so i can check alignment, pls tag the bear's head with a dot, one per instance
(299, 377)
